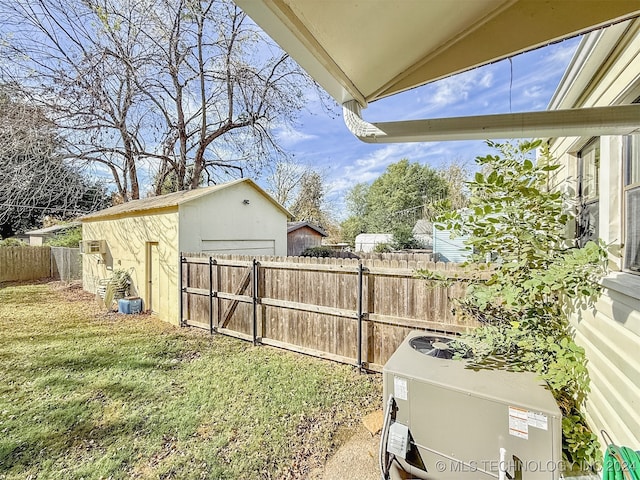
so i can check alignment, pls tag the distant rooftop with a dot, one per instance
(53, 229)
(292, 226)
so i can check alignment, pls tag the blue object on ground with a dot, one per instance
(130, 305)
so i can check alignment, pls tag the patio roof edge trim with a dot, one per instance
(611, 120)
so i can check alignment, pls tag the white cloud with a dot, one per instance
(562, 53)
(534, 91)
(457, 88)
(487, 80)
(289, 136)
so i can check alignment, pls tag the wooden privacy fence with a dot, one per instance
(24, 263)
(35, 263)
(352, 311)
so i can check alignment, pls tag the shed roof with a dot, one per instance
(176, 199)
(293, 226)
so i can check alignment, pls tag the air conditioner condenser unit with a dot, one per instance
(445, 420)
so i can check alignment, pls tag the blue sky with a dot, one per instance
(323, 141)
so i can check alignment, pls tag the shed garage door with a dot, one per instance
(240, 247)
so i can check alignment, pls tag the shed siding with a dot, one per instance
(36, 240)
(223, 223)
(447, 249)
(127, 240)
(301, 239)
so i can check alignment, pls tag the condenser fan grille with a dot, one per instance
(435, 346)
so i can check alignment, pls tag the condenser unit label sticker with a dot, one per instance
(400, 389)
(538, 420)
(519, 423)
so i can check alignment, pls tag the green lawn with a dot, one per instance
(88, 395)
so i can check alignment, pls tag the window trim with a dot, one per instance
(627, 187)
(595, 141)
(583, 204)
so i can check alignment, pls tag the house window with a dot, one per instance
(588, 192)
(632, 204)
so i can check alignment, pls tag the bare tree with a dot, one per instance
(221, 88)
(64, 59)
(456, 175)
(284, 181)
(193, 89)
(34, 180)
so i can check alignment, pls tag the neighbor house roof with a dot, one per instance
(176, 199)
(293, 226)
(52, 229)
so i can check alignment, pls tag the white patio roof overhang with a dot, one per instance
(360, 51)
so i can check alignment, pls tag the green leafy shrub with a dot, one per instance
(383, 248)
(320, 252)
(70, 238)
(13, 242)
(403, 238)
(538, 279)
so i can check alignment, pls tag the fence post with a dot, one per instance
(211, 263)
(360, 295)
(218, 300)
(255, 267)
(182, 259)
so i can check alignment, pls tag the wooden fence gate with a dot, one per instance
(347, 310)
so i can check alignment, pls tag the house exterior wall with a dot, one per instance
(447, 249)
(128, 239)
(222, 223)
(606, 71)
(36, 240)
(301, 239)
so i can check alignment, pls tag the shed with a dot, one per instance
(38, 237)
(303, 235)
(145, 237)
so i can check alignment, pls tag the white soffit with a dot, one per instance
(362, 50)
(369, 49)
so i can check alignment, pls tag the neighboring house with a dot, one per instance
(39, 237)
(303, 235)
(447, 249)
(145, 237)
(602, 175)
